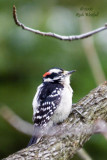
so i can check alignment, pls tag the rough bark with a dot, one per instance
(71, 135)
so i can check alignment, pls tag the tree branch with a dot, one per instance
(73, 133)
(54, 35)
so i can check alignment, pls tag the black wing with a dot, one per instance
(49, 98)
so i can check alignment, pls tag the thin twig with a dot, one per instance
(54, 35)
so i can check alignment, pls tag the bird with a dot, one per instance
(52, 102)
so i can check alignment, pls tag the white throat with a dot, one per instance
(66, 80)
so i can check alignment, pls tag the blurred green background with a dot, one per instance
(24, 57)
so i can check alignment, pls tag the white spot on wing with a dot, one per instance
(38, 117)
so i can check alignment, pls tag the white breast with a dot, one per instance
(65, 106)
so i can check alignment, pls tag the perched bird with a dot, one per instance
(52, 102)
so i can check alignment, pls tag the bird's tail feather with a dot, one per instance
(33, 140)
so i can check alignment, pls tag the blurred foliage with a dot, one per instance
(24, 57)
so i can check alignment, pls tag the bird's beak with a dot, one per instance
(66, 73)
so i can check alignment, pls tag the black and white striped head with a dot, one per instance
(57, 75)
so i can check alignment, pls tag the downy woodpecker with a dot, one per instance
(52, 102)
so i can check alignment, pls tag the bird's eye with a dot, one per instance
(53, 75)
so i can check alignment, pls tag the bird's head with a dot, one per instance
(57, 75)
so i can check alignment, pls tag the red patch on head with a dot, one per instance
(46, 74)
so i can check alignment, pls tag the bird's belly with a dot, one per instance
(65, 106)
